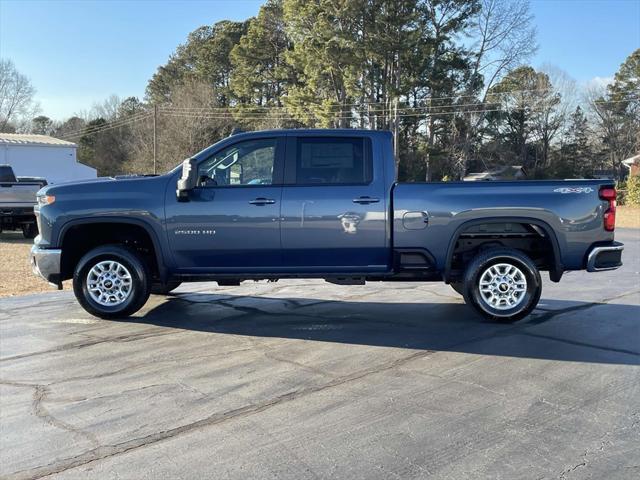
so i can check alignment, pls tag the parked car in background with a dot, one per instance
(17, 200)
(322, 204)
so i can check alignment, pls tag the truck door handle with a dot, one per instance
(366, 200)
(262, 201)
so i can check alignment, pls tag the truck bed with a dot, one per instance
(430, 215)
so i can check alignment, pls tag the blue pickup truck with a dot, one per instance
(318, 204)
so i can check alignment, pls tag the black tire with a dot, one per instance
(458, 287)
(164, 288)
(140, 281)
(29, 230)
(481, 263)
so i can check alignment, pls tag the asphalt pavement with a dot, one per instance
(304, 379)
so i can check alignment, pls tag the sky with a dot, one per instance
(79, 52)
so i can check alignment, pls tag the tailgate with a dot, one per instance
(18, 194)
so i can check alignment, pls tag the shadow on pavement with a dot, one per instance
(590, 332)
(15, 237)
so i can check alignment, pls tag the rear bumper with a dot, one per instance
(46, 263)
(605, 257)
(14, 215)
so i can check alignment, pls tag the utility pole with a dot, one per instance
(155, 139)
(396, 126)
(395, 129)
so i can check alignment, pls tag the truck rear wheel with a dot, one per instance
(111, 282)
(502, 284)
(29, 230)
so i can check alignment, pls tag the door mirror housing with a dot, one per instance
(188, 181)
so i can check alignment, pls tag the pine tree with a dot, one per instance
(576, 159)
(325, 55)
(261, 76)
(42, 125)
(203, 58)
(445, 73)
(618, 114)
(524, 104)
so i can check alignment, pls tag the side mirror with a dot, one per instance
(188, 181)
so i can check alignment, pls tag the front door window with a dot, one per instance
(245, 163)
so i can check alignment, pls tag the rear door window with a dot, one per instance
(333, 161)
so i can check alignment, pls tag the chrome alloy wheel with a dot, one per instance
(503, 286)
(109, 283)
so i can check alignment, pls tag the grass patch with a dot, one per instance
(16, 277)
(628, 216)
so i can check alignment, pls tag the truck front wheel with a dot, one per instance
(111, 281)
(502, 284)
(458, 287)
(164, 288)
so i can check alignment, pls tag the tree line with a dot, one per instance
(450, 79)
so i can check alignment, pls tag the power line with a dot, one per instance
(428, 98)
(177, 109)
(388, 105)
(435, 110)
(107, 127)
(98, 127)
(214, 116)
(234, 113)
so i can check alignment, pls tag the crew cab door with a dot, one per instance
(334, 211)
(231, 221)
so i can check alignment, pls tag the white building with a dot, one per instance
(43, 156)
(633, 164)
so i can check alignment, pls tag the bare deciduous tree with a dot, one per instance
(505, 37)
(553, 110)
(619, 130)
(184, 127)
(16, 96)
(108, 109)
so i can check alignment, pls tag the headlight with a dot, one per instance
(46, 200)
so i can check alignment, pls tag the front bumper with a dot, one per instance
(605, 257)
(46, 264)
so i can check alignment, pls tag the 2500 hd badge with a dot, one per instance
(193, 232)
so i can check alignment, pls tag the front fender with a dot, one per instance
(159, 249)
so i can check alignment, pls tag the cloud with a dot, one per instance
(598, 83)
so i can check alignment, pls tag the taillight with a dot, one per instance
(609, 194)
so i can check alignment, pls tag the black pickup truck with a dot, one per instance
(322, 204)
(17, 199)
